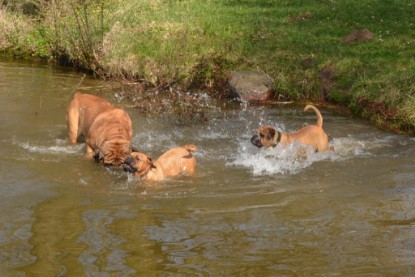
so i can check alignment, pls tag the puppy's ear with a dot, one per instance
(151, 163)
(271, 134)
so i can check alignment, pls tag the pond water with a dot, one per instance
(246, 211)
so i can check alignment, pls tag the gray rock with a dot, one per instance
(250, 86)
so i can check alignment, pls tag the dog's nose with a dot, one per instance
(128, 160)
(126, 168)
(254, 138)
(256, 141)
(96, 155)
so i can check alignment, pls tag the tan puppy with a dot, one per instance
(178, 160)
(313, 135)
(106, 129)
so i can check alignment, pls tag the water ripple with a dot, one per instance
(103, 255)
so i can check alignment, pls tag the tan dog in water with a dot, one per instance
(312, 135)
(107, 130)
(178, 160)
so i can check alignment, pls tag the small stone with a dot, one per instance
(250, 86)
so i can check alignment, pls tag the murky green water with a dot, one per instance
(247, 212)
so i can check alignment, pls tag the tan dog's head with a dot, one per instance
(266, 136)
(138, 164)
(113, 152)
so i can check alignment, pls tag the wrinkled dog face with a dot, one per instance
(265, 137)
(114, 153)
(138, 164)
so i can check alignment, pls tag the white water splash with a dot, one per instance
(277, 160)
(294, 158)
(52, 149)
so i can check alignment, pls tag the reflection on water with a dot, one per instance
(100, 241)
(247, 211)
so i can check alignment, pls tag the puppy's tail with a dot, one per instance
(190, 147)
(319, 117)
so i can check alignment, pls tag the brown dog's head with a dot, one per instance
(266, 136)
(113, 152)
(138, 164)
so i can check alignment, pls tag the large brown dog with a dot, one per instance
(313, 135)
(107, 130)
(178, 160)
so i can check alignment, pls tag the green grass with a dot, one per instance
(197, 42)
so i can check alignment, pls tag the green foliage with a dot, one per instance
(38, 41)
(78, 31)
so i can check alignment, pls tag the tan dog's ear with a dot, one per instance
(151, 162)
(271, 134)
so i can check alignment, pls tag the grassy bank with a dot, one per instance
(194, 42)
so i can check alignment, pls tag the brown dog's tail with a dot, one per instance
(319, 122)
(190, 147)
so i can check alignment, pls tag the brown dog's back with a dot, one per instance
(81, 113)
